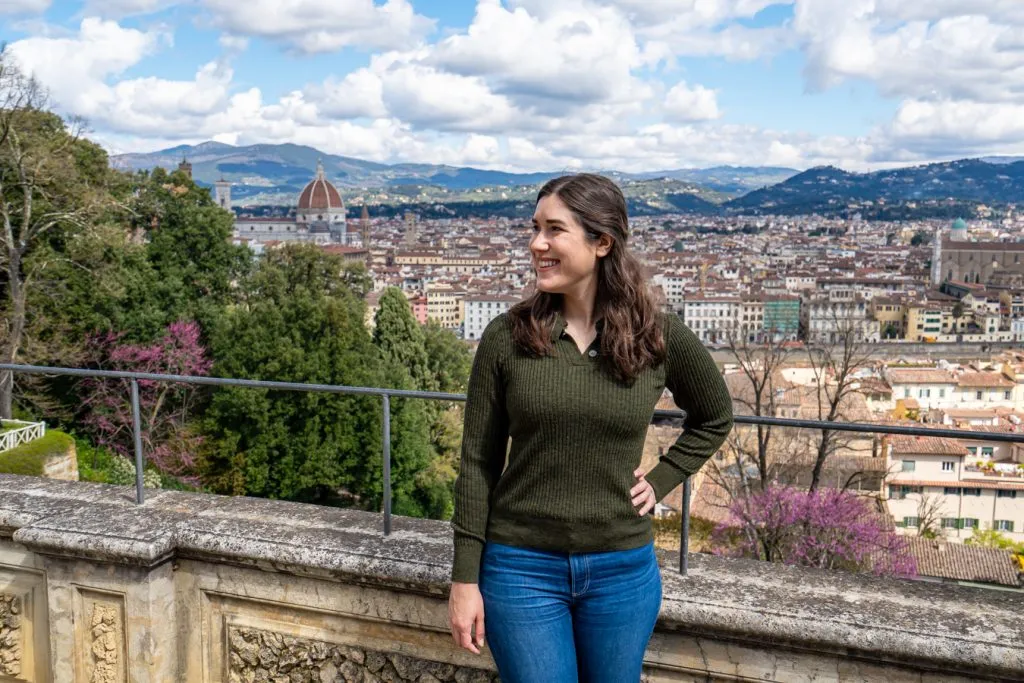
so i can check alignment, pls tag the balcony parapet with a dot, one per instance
(194, 584)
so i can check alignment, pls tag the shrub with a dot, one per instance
(30, 458)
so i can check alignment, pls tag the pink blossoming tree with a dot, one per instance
(825, 528)
(164, 407)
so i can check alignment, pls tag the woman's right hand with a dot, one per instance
(466, 611)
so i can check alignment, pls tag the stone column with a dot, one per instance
(110, 593)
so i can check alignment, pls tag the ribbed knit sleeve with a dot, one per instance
(484, 445)
(698, 388)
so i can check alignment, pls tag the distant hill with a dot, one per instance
(827, 189)
(269, 174)
(733, 180)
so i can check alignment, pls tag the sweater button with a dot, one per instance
(592, 353)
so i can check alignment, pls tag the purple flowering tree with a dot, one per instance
(164, 407)
(825, 528)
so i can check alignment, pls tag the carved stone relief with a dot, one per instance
(101, 637)
(11, 615)
(256, 655)
(106, 632)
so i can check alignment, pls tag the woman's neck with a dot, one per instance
(578, 309)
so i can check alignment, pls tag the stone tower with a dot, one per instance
(937, 258)
(186, 167)
(364, 227)
(222, 194)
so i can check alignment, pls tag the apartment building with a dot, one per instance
(481, 309)
(938, 482)
(445, 304)
(712, 318)
(929, 387)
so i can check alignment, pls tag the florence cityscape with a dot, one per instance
(254, 249)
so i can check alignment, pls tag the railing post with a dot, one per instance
(684, 532)
(140, 496)
(387, 464)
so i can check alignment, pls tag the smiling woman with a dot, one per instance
(553, 539)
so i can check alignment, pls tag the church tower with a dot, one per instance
(222, 194)
(364, 227)
(185, 167)
(937, 258)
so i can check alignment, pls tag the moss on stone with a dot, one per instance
(30, 458)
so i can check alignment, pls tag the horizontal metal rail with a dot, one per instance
(386, 394)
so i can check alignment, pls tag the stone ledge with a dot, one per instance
(927, 626)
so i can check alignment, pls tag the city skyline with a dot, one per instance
(525, 85)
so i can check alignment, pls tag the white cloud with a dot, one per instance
(359, 94)
(74, 68)
(125, 8)
(929, 129)
(233, 45)
(24, 6)
(569, 54)
(324, 25)
(926, 52)
(685, 103)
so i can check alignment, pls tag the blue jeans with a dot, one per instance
(553, 617)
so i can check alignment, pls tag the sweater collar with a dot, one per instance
(558, 327)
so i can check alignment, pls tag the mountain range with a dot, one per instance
(275, 174)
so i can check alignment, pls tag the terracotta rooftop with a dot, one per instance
(920, 376)
(985, 379)
(963, 562)
(925, 445)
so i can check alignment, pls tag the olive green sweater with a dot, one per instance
(577, 436)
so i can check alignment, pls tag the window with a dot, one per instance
(973, 450)
(972, 492)
(951, 491)
(969, 523)
(950, 523)
(906, 392)
(942, 393)
(900, 492)
(1004, 525)
(977, 395)
(909, 465)
(948, 466)
(1006, 494)
(1006, 395)
(986, 451)
(911, 522)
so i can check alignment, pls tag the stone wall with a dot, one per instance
(202, 589)
(62, 466)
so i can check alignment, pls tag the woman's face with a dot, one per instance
(563, 258)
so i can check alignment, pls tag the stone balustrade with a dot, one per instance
(201, 588)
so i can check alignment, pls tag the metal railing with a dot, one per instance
(386, 395)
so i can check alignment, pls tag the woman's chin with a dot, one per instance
(548, 287)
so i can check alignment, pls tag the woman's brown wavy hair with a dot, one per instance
(631, 339)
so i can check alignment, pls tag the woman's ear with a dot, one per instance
(604, 245)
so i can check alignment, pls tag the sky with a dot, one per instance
(540, 85)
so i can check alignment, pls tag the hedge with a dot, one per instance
(30, 458)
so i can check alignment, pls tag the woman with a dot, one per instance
(555, 547)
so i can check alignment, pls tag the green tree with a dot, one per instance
(53, 184)
(297, 322)
(188, 246)
(448, 358)
(990, 538)
(418, 488)
(401, 340)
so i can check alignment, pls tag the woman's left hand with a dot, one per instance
(643, 494)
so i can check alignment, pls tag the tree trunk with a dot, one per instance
(17, 328)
